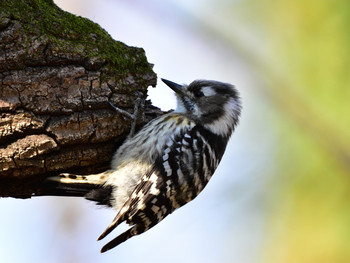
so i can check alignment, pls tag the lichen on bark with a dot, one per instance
(58, 72)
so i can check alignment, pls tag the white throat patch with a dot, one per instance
(180, 107)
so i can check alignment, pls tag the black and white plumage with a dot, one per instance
(167, 163)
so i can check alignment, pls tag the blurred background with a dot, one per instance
(282, 190)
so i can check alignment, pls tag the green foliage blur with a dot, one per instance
(301, 49)
(306, 65)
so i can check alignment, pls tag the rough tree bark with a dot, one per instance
(57, 74)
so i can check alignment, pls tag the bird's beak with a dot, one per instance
(174, 86)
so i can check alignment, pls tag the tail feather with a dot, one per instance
(119, 239)
(89, 186)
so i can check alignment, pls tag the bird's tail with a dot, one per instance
(92, 187)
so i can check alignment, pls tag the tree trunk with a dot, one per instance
(57, 74)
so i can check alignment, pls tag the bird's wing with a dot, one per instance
(147, 190)
(152, 198)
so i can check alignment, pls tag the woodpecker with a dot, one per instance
(167, 163)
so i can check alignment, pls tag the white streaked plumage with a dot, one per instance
(169, 161)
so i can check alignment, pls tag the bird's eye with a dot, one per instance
(198, 94)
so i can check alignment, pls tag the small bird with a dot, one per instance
(166, 164)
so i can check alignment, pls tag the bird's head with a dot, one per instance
(215, 105)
